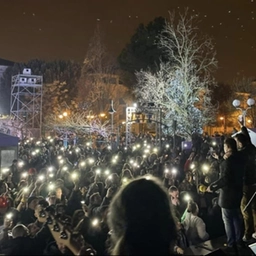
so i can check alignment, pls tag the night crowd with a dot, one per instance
(102, 198)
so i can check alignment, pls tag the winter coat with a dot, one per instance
(195, 229)
(230, 182)
(249, 152)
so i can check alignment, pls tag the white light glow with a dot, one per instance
(192, 166)
(174, 171)
(20, 163)
(51, 186)
(91, 160)
(74, 175)
(205, 167)
(25, 190)
(24, 174)
(95, 222)
(5, 170)
(9, 216)
(50, 169)
(41, 177)
(187, 197)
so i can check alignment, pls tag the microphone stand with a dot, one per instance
(245, 208)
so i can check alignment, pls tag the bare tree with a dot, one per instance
(81, 122)
(14, 127)
(243, 89)
(97, 82)
(245, 85)
(181, 85)
(55, 98)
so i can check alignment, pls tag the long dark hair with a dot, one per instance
(231, 143)
(141, 219)
(243, 139)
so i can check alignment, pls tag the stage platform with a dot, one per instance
(216, 247)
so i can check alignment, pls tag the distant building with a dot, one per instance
(4, 64)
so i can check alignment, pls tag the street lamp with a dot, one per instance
(222, 118)
(249, 121)
(65, 141)
(236, 103)
(129, 113)
(111, 112)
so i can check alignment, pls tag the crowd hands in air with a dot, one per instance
(103, 198)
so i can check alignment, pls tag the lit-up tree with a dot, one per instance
(9, 125)
(181, 86)
(80, 123)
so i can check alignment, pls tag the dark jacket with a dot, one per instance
(28, 245)
(96, 211)
(28, 216)
(23, 246)
(230, 182)
(74, 202)
(249, 152)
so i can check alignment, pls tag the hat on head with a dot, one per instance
(43, 203)
(30, 199)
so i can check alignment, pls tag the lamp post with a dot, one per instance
(90, 116)
(249, 121)
(129, 112)
(111, 112)
(222, 118)
(236, 103)
(65, 141)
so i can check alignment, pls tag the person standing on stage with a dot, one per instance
(230, 184)
(245, 146)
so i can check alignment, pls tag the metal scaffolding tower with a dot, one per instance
(26, 101)
(152, 114)
(129, 112)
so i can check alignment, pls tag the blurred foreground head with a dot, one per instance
(20, 231)
(141, 220)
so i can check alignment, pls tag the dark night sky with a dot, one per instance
(60, 29)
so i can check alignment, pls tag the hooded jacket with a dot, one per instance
(195, 229)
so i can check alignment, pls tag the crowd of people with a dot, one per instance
(150, 198)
